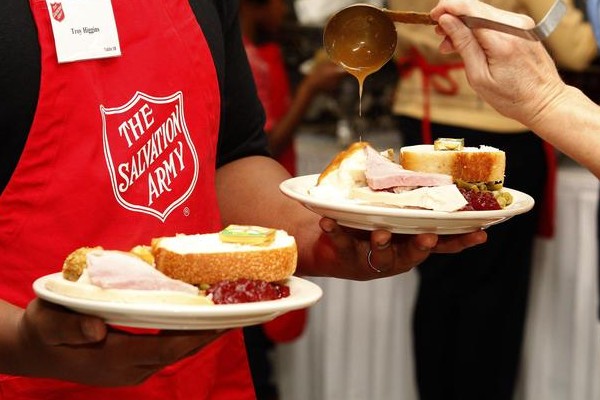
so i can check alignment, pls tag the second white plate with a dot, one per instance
(353, 214)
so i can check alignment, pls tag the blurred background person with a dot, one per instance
(285, 107)
(560, 105)
(593, 14)
(469, 315)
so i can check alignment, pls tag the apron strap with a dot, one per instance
(546, 225)
(436, 77)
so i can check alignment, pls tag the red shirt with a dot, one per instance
(273, 86)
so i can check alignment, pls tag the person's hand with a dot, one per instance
(250, 194)
(324, 76)
(361, 255)
(514, 75)
(55, 343)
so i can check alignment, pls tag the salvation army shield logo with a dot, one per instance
(57, 11)
(149, 153)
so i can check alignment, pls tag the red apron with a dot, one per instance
(273, 87)
(121, 150)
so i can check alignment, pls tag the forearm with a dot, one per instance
(571, 123)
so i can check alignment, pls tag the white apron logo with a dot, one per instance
(152, 162)
(57, 11)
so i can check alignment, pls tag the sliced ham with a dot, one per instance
(120, 270)
(382, 173)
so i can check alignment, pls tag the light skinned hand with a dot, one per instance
(53, 342)
(514, 75)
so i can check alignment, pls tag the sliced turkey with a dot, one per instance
(120, 270)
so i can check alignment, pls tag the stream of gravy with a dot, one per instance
(359, 50)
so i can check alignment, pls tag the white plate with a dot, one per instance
(303, 294)
(352, 214)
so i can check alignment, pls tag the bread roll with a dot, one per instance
(76, 262)
(471, 164)
(206, 259)
(347, 168)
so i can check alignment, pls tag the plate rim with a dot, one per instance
(289, 187)
(303, 294)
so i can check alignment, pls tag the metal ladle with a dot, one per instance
(360, 38)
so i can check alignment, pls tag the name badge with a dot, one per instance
(83, 29)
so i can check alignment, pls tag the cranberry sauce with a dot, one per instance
(246, 291)
(479, 200)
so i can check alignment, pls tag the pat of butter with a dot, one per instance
(245, 234)
(449, 144)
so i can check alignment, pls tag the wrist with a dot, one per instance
(10, 317)
(552, 107)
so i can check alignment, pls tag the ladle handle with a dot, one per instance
(409, 17)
